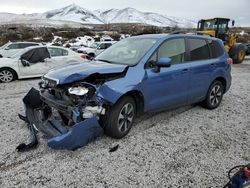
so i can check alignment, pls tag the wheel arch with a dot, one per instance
(222, 80)
(139, 100)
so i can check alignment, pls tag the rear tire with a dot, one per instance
(7, 75)
(119, 118)
(214, 95)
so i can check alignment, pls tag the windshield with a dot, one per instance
(94, 45)
(4, 46)
(210, 25)
(128, 51)
(19, 53)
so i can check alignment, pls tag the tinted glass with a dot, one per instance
(198, 49)
(36, 55)
(108, 45)
(216, 49)
(173, 49)
(25, 45)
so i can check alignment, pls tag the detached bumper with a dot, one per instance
(60, 137)
(78, 136)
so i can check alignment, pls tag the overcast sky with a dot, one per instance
(190, 9)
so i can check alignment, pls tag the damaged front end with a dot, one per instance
(67, 115)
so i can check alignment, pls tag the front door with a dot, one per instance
(169, 87)
(37, 65)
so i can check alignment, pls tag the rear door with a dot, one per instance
(167, 88)
(201, 68)
(60, 57)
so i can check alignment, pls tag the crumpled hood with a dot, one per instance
(78, 71)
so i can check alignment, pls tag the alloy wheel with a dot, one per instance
(125, 118)
(216, 95)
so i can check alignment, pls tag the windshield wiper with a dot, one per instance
(104, 60)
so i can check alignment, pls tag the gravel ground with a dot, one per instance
(186, 147)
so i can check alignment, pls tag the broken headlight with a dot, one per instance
(79, 91)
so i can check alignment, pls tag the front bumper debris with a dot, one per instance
(78, 136)
(40, 119)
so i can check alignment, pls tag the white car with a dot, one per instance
(35, 62)
(11, 48)
(96, 48)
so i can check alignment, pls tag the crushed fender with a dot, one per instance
(80, 135)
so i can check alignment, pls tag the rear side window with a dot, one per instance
(216, 49)
(198, 49)
(54, 52)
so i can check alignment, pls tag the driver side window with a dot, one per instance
(174, 49)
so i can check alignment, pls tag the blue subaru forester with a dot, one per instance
(136, 75)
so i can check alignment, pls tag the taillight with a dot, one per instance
(84, 56)
(229, 61)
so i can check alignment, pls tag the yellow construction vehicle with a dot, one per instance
(218, 27)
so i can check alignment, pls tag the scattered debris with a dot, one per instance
(113, 149)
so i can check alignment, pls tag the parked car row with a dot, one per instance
(96, 48)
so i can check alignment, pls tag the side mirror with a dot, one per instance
(25, 63)
(163, 62)
(7, 48)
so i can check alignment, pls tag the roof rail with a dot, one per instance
(187, 32)
(178, 32)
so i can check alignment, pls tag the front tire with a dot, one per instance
(119, 118)
(7, 75)
(214, 95)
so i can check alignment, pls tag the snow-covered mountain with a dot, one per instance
(80, 15)
(73, 13)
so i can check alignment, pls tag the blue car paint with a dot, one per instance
(180, 87)
(78, 136)
(78, 71)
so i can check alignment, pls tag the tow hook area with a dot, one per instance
(39, 118)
